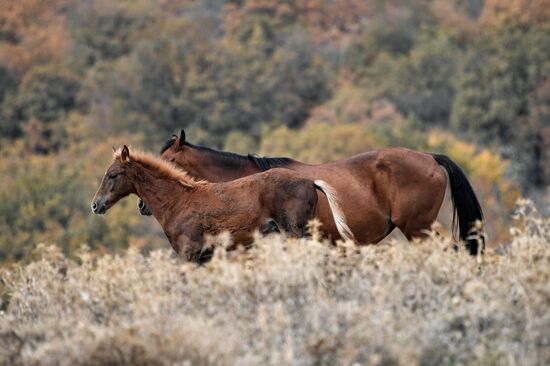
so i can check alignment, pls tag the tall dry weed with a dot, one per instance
(286, 302)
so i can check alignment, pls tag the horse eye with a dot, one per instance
(112, 176)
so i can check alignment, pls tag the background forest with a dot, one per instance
(313, 80)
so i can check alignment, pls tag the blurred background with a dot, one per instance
(312, 80)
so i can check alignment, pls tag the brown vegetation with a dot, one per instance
(299, 302)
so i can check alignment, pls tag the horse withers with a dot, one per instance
(188, 209)
(378, 190)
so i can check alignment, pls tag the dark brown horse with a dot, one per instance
(188, 209)
(378, 190)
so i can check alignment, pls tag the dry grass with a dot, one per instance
(299, 302)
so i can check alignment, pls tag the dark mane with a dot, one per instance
(168, 144)
(266, 163)
(228, 159)
(233, 159)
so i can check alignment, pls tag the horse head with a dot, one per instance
(115, 184)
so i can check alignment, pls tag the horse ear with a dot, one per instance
(114, 150)
(125, 154)
(182, 138)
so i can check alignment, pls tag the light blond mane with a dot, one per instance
(166, 168)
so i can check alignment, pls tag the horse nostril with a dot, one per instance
(94, 207)
(141, 204)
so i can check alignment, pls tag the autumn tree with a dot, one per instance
(32, 33)
(494, 82)
(46, 94)
(533, 139)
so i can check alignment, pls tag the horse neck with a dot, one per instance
(216, 167)
(159, 192)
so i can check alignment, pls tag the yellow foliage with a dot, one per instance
(487, 171)
(319, 143)
(46, 198)
(483, 164)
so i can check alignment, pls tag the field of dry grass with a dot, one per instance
(286, 302)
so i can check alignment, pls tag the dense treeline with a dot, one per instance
(315, 80)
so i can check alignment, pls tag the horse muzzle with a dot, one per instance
(99, 207)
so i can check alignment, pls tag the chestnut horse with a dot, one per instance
(188, 209)
(378, 190)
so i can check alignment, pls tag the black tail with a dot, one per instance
(465, 202)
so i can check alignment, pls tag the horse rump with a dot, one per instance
(337, 212)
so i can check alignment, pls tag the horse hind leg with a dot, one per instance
(416, 228)
(416, 220)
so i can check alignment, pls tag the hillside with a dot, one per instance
(311, 80)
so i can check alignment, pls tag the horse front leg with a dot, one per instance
(298, 212)
(294, 221)
(188, 249)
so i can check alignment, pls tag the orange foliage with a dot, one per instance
(327, 20)
(35, 33)
(497, 13)
(452, 20)
(351, 105)
(340, 16)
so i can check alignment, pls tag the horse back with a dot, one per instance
(282, 185)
